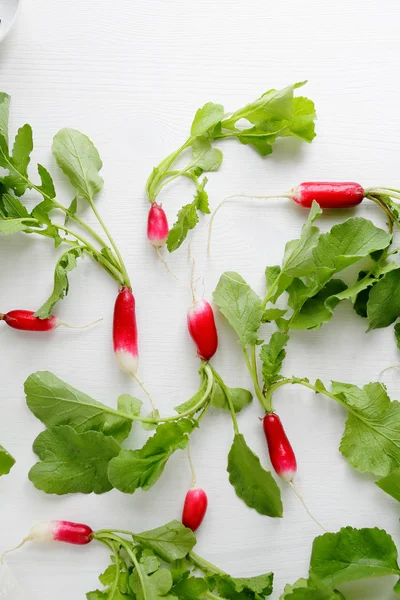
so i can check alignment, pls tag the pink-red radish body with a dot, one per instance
(201, 325)
(344, 194)
(25, 320)
(125, 332)
(195, 508)
(280, 451)
(61, 531)
(157, 225)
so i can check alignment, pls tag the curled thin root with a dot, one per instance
(397, 366)
(230, 198)
(146, 391)
(300, 497)
(24, 541)
(164, 262)
(192, 281)
(78, 326)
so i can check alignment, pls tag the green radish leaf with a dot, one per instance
(170, 542)
(12, 226)
(187, 219)
(353, 554)
(78, 158)
(141, 468)
(4, 114)
(42, 210)
(6, 461)
(55, 402)
(206, 118)
(66, 263)
(302, 124)
(347, 242)
(318, 309)
(240, 305)
(238, 396)
(253, 484)
(14, 208)
(47, 186)
(205, 157)
(272, 356)
(151, 587)
(310, 589)
(201, 197)
(383, 306)
(397, 334)
(235, 588)
(19, 161)
(272, 314)
(191, 588)
(72, 462)
(391, 484)
(371, 440)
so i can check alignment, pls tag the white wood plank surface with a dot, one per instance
(131, 75)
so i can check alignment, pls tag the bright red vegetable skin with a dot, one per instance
(201, 325)
(194, 509)
(26, 321)
(280, 451)
(61, 531)
(125, 331)
(344, 194)
(157, 225)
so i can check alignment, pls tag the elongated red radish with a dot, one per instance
(343, 194)
(25, 320)
(157, 225)
(125, 331)
(194, 508)
(280, 450)
(201, 325)
(57, 531)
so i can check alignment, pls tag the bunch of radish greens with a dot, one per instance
(160, 564)
(276, 114)
(81, 451)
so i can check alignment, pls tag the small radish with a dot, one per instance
(25, 320)
(125, 332)
(195, 508)
(157, 225)
(57, 531)
(344, 194)
(201, 325)
(280, 451)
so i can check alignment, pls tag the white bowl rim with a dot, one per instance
(11, 23)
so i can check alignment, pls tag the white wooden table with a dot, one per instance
(131, 75)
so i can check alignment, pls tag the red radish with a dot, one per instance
(280, 451)
(125, 332)
(26, 321)
(195, 508)
(344, 194)
(61, 531)
(201, 324)
(157, 225)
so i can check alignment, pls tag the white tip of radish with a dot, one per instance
(43, 532)
(127, 362)
(287, 476)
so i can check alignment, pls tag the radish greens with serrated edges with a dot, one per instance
(276, 114)
(76, 155)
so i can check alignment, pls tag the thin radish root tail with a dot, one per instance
(164, 262)
(300, 497)
(192, 281)
(24, 541)
(210, 225)
(146, 391)
(78, 326)
(391, 367)
(191, 465)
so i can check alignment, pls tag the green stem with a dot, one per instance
(175, 174)
(269, 294)
(113, 244)
(257, 388)
(158, 174)
(203, 564)
(229, 400)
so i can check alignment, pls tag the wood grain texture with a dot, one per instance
(131, 75)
